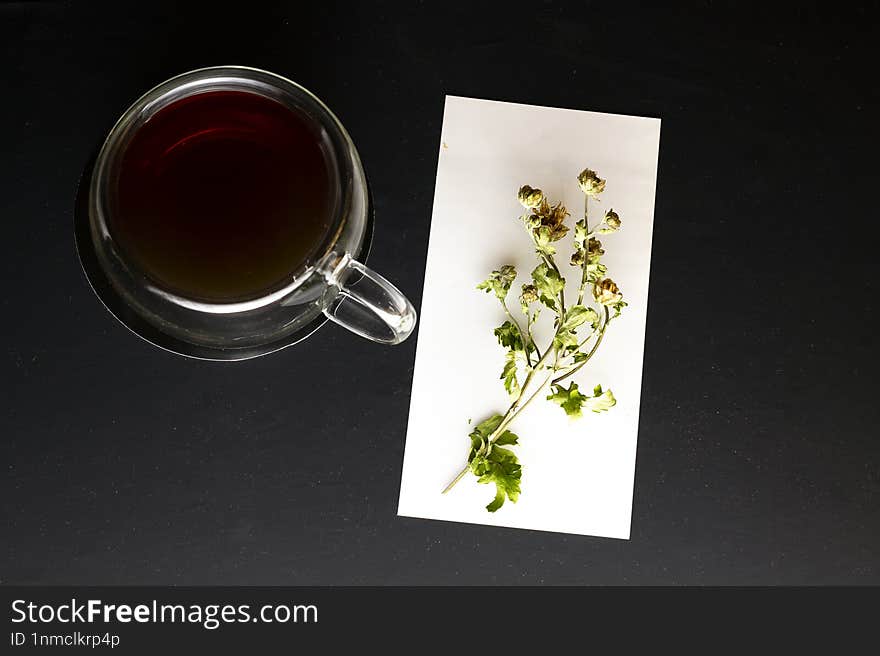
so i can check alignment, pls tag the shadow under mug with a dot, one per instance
(331, 284)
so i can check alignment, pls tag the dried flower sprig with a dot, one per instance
(578, 331)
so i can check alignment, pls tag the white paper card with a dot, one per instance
(577, 473)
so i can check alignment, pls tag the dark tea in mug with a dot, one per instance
(228, 214)
(223, 195)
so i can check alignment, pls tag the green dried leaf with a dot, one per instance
(498, 501)
(596, 271)
(502, 468)
(549, 284)
(578, 315)
(487, 427)
(509, 337)
(495, 464)
(508, 375)
(600, 401)
(580, 356)
(543, 237)
(565, 341)
(499, 282)
(570, 400)
(507, 439)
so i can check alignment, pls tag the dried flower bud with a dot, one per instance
(557, 214)
(612, 220)
(529, 294)
(590, 183)
(578, 257)
(529, 197)
(606, 292)
(506, 275)
(594, 250)
(580, 231)
(548, 222)
(558, 231)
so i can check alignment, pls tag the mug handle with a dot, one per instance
(365, 303)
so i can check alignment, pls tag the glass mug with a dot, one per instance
(331, 283)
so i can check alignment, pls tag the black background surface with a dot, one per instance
(758, 458)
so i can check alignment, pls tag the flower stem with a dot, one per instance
(532, 338)
(585, 245)
(524, 337)
(514, 409)
(509, 416)
(455, 480)
(593, 350)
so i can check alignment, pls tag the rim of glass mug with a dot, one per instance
(331, 259)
